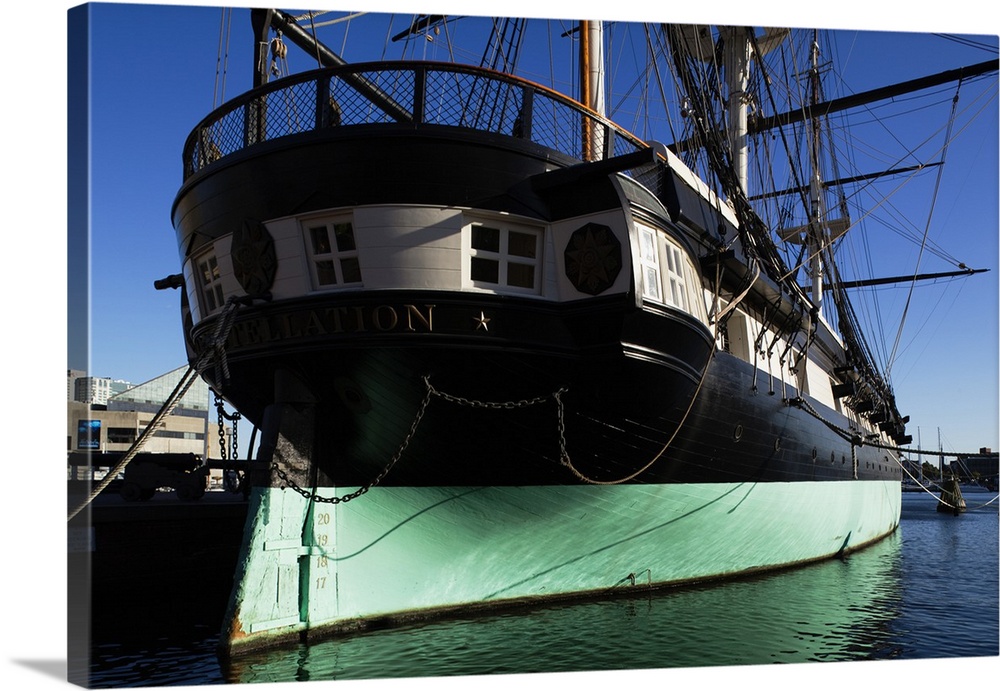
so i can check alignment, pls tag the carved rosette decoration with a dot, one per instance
(254, 260)
(593, 258)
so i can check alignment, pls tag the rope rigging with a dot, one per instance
(927, 227)
(213, 354)
(857, 440)
(858, 350)
(826, 252)
(182, 387)
(222, 59)
(504, 47)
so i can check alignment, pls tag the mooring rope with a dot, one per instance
(182, 386)
(857, 439)
(215, 350)
(564, 454)
(716, 320)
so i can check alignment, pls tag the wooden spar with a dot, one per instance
(763, 124)
(817, 236)
(279, 21)
(419, 24)
(901, 279)
(845, 181)
(879, 94)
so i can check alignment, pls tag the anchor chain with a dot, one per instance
(492, 405)
(231, 477)
(430, 394)
(234, 418)
(312, 496)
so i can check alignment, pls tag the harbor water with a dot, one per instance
(929, 591)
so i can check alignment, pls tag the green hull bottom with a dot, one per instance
(310, 569)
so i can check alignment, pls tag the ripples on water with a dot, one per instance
(930, 590)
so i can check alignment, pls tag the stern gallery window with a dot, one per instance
(505, 256)
(210, 283)
(333, 253)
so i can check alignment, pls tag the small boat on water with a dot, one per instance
(501, 349)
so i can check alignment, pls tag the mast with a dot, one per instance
(816, 185)
(920, 460)
(820, 230)
(737, 71)
(595, 74)
(940, 457)
(592, 84)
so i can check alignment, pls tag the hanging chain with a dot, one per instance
(235, 417)
(492, 405)
(378, 478)
(222, 428)
(431, 393)
(230, 475)
(233, 451)
(564, 458)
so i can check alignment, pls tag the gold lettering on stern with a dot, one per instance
(333, 320)
(385, 318)
(413, 313)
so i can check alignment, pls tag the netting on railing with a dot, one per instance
(476, 101)
(372, 95)
(411, 93)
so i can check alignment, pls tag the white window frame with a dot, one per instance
(209, 273)
(667, 275)
(335, 255)
(649, 261)
(676, 288)
(503, 257)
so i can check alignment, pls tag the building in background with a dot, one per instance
(982, 467)
(114, 424)
(150, 396)
(97, 390)
(71, 377)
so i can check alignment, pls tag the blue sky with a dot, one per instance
(154, 75)
(153, 78)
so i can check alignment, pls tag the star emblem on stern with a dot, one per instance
(482, 321)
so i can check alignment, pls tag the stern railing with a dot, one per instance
(408, 95)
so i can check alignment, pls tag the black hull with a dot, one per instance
(488, 409)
